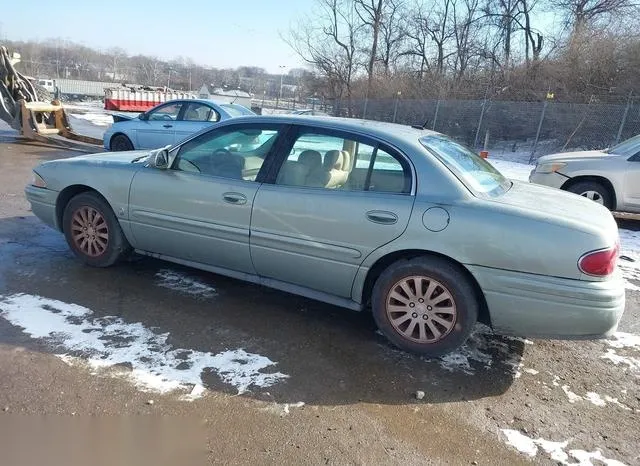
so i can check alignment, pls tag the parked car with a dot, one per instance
(365, 215)
(167, 123)
(610, 177)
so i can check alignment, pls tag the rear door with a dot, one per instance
(323, 213)
(158, 130)
(195, 116)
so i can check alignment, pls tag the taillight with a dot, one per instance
(600, 263)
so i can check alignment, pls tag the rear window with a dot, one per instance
(473, 171)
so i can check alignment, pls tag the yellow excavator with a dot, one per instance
(28, 108)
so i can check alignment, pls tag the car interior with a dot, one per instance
(344, 167)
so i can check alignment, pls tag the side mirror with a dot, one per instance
(160, 159)
(143, 117)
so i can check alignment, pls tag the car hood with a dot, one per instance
(110, 157)
(559, 207)
(571, 156)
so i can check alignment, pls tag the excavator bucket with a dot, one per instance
(49, 123)
(21, 108)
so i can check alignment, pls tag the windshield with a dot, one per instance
(475, 172)
(627, 148)
(236, 110)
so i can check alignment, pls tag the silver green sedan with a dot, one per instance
(397, 220)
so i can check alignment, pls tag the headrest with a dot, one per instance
(311, 159)
(333, 160)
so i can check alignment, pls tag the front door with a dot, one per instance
(158, 129)
(195, 117)
(200, 209)
(335, 199)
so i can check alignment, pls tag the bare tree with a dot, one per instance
(393, 34)
(330, 43)
(580, 13)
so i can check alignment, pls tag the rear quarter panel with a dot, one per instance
(494, 236)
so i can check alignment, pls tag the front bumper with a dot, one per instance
(43, 204)
(555, 180)
(548, 307)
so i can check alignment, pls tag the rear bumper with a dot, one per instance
(553, 180)
(548, 307)
(43, 204)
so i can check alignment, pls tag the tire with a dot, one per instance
(450, 290)
(120, 143)
(593, 190)
(100, 241)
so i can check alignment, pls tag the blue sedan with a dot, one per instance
(168, 123)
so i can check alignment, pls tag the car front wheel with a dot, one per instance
(425, 305)
(120, 143)
(593, 190)
(93, 231)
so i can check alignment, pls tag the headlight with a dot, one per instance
(37, 181)
(551, 167)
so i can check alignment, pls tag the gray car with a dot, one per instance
(609, 177)
(398, 220)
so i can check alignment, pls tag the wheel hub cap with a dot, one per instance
(421, 309)
(594, 196)
(89, 231)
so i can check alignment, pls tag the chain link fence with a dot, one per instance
(536, 128)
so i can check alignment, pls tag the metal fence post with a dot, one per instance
(395, 109)
(624, 117)
(435, 116)
(535, 143)
(364, 110)
(475, 142)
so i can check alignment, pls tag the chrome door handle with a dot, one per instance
(382, 217)
(167, 126)
(234, 198)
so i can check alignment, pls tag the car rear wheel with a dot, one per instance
(593, 190)
(93, 231)
(425, 305)
(120, 143)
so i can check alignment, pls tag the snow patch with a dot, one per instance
(105, 342)
(572, 396)
(98, 119)
(512, 170)
(632, 364)
(555, 450)
(624, 340)
(184, 284)
(477, 349)
(283, 409)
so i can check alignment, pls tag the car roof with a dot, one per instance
(379, 129)
(201, 101)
